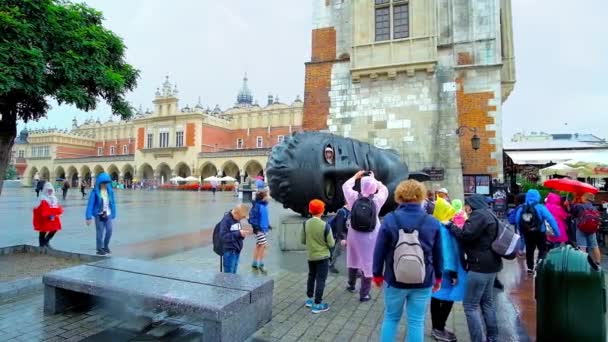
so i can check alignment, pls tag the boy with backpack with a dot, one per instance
(338, 229)
(363, 229)
(319, 241)
(258, 219)
(587, 221)
(530, 219)
(228, 237)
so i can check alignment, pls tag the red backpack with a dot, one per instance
(589, 220)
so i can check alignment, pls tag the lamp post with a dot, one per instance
(475, 140)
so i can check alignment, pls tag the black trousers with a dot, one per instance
(44, 238)
(440, 310)
(335, 253)
(535, 240)
(317, 275)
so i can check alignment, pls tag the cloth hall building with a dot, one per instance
(160, 144)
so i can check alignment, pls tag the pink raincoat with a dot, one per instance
(554, 205)
(360, 246)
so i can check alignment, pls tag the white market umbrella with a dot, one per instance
(211, 179)
(227, 179)
(177, 179)
(191, 179)
(562, 170)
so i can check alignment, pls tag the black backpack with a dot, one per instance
(218, 247)
(529, 220)
(363, 215)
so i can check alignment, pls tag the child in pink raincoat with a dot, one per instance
(554, 205)
(360, 245)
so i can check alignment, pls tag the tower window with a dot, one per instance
(391, 16)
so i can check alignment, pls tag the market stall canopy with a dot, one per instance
(537, 157)
(562, 170)
(595, 165)
(211, 179)
(177, 179)
(191, 179)
(227, 179)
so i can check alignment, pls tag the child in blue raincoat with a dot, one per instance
(453, 283)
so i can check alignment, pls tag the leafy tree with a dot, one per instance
(11, 173)
(55, 49)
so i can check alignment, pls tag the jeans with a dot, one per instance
(479, 294)
(366, 283)
(103, 240)
(535, 240)
(415, 302)
(231, 261)
(317, 275)
(440, 310)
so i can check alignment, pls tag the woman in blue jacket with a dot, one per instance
(102, 208)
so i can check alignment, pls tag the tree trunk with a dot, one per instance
(8, 132)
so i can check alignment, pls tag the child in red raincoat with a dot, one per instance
(46, 215)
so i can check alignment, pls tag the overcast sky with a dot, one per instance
(206, 47)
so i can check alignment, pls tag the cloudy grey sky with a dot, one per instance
(206, 47)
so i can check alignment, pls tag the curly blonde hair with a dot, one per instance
(410, 191)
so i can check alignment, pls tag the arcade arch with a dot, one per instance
(183, 170)
(230, 169)
(208, 170)
(164, 172)
(146, 172)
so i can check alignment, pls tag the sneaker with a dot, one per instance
(318, 308)
(351, 289)
(263, 269)
(365, 299)
(101, 252)
(254, 265)
(309, 303)
(107, 250)
(445, 335)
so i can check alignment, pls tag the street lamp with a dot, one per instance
(475, 140)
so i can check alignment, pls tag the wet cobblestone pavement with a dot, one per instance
(152, 225)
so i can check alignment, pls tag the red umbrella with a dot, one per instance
(570, 185)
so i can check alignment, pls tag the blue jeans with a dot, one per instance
(231, 261)
(415, 301)
(103, 242)
(479, 294)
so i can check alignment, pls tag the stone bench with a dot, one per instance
(231, 307)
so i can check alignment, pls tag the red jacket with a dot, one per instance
(42, 217)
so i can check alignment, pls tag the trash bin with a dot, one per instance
(570, 295)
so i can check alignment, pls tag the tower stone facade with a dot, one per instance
(406, 75)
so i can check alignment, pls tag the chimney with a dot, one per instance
(270, 100)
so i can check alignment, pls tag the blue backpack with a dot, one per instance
(254, 215)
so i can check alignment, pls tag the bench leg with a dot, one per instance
(57, 300)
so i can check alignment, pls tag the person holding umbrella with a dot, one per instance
(585, 217)
(585, 214)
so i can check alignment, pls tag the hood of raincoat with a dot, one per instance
(477, 202)
(51, 199)
(102, 178)
(369, 186)
(443, 210)
(554, 199)
(533, 196)
(457, 204)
